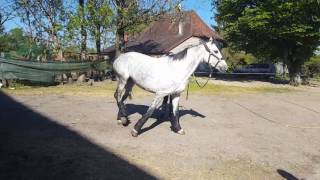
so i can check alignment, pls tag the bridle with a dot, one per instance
(210, 54)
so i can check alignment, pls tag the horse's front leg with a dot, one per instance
(128, 88)
(175, 119)
(137, 127)
(122, 109)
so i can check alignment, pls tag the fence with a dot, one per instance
(45, 71)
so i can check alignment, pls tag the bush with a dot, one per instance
(237, 58)
(312, 67)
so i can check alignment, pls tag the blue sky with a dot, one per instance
(202, 7)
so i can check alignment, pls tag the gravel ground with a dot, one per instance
(244, 136)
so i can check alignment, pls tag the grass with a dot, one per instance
(317, 79)
(101, 89)
(107, 88)
(229, 89)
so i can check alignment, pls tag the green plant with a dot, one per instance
(285, 30)
(312, 67)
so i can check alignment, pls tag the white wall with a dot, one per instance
(187, 43)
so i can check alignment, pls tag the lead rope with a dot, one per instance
(188, 91)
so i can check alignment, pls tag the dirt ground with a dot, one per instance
(243, 136)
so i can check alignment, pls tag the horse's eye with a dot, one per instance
(215, 51)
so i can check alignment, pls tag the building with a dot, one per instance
(168, 35)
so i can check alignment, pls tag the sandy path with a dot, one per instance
(265, 136)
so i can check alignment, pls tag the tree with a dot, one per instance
(93, 17)
(130, 14)
(3, 43)
(5, 15)
(237, 58)
(83, 30)
(78, 20)
(286, 30)
(313, 66)
(47, 18)
(17, 44)
(99, 20)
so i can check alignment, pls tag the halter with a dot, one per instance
(211, 54)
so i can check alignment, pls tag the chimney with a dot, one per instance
(180, 28)
(179, 12)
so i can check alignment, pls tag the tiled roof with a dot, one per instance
(163, 35)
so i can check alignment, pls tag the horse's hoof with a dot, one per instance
(134, 133)
(181, 132)
(123, 121)
(119, 122)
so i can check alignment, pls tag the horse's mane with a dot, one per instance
(180, 55)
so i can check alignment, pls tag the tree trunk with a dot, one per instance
(60, 55)
(295, 78)
(294, 67)
(98, 45)
(83, 50)
(120, 43)
(57, 46)
(98, 40)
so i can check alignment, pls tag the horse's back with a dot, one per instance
(135, 60)
(129, 56)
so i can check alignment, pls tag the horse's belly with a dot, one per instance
(165, 86)
(156, 78)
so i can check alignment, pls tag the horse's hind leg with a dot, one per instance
(137, 127)
(175, 119)
(117, 95)
(166, 106)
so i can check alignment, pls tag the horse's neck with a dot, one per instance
(188, 65)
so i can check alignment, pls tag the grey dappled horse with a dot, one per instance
(163, 76)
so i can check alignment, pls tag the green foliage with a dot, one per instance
(99, 17)
(284, 30)
(254, 25)
(235, 59)
(132, 16)
(313, 66)
(20, 46)
(95, 16)
(4, 44)
(45, 20)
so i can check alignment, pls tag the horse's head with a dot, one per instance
(214, 56)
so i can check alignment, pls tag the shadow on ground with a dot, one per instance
(249, 79)
(158, 114)
(34, 147)
(286, 175)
